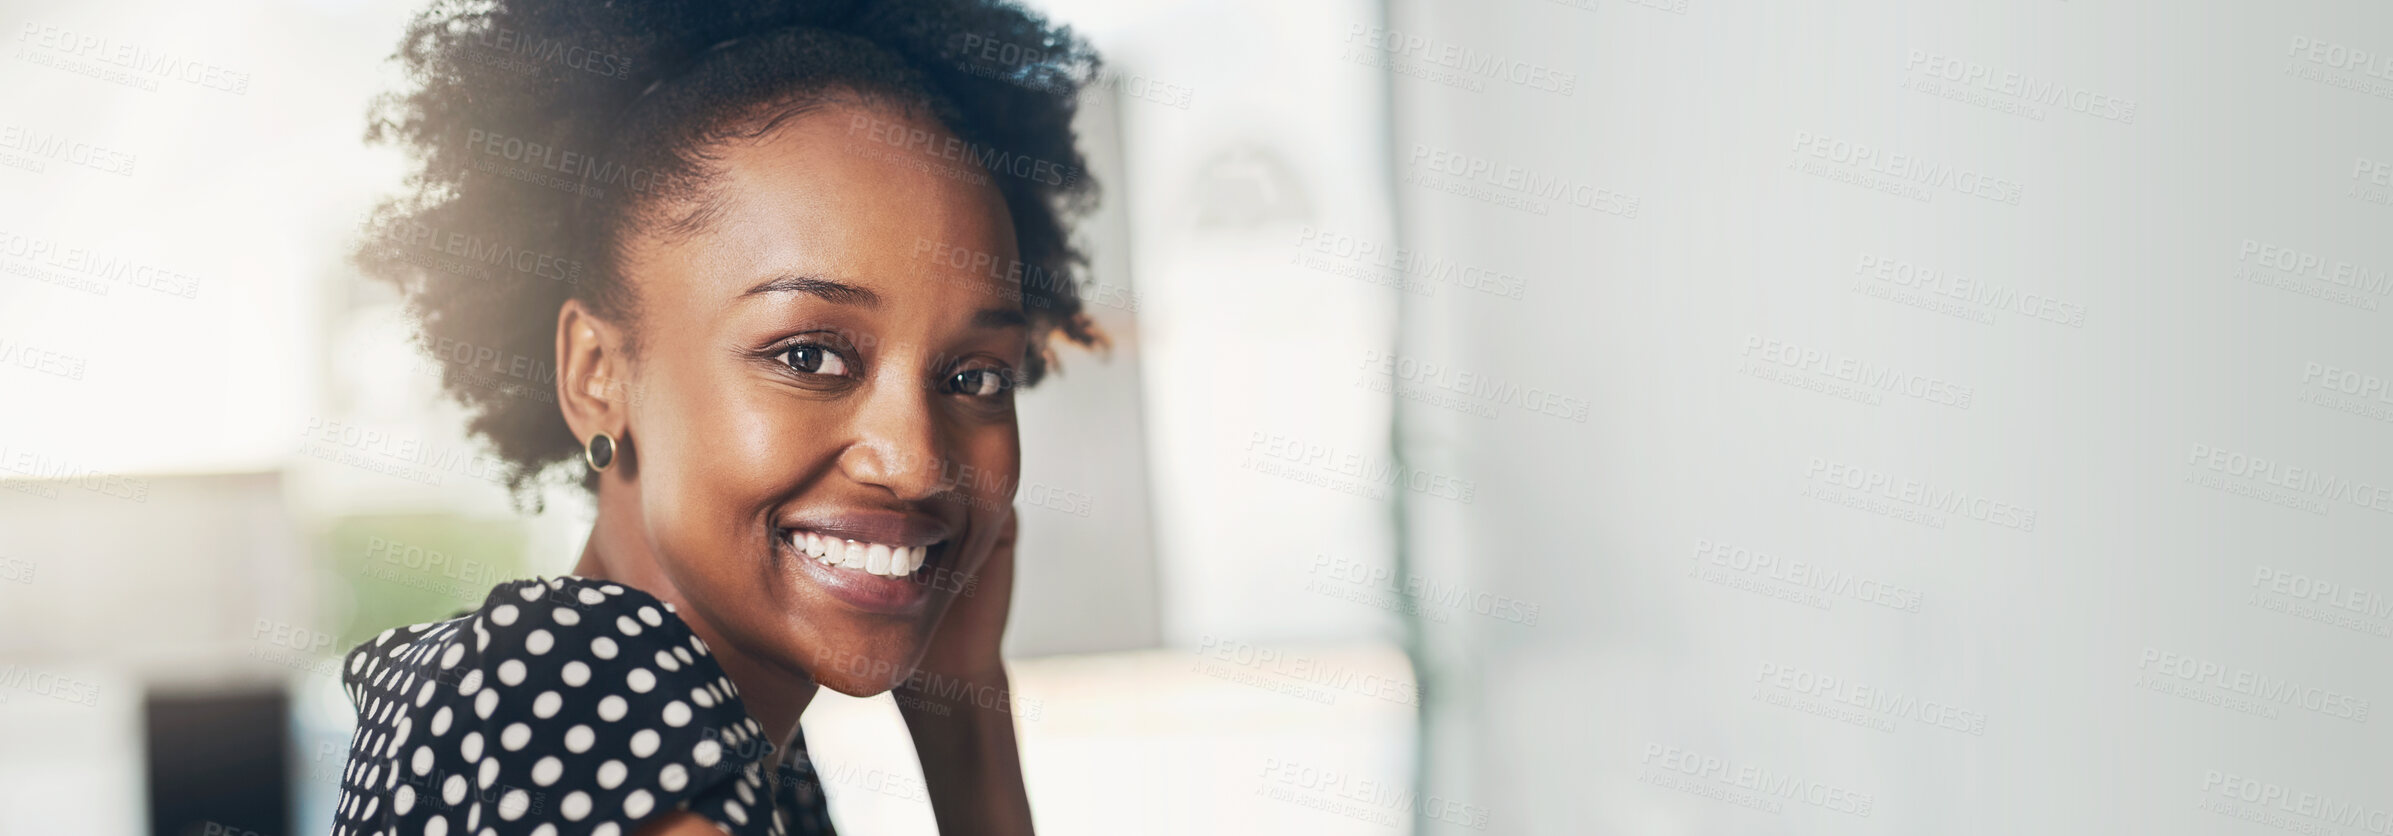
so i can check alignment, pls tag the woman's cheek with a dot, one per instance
(1000, 452)
(759, 445)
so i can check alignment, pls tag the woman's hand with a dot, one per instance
(965, 648)
(958, 705)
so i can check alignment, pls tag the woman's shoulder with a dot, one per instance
(558, 699)
(530, 618)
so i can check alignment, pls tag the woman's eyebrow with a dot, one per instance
(999, 318)
(829, 291)
(840, 293)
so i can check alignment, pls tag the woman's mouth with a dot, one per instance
(883, 578)
(843, 553)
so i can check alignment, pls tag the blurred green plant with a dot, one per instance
(407, 569)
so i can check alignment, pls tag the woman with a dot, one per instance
(776, 252)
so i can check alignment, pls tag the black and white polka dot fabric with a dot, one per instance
(562, 707)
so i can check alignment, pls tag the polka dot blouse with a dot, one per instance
(562, 707)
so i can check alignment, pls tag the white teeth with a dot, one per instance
(877, 558)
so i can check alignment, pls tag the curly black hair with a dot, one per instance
(546, 131)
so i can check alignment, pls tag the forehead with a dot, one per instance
(846, 190)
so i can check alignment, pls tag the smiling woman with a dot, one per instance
(800, 431)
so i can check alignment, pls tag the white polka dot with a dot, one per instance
(471, 682)
(436, 827)
(423, 760)
(513, 804)
(677, 714)
(545, 829)
(707, 752)
(539, 642)
(628, 626)
(504, 614)
(684, 653)
(590, 597)
(640, 680)
(738, 814)
(403, 800)
(698, 644)
(531, 591)
(575, 806)
(486, 703)
(471, 748)
(511, 671)
(611, 589)
(406, 726)
(637, 804)
(643, 742)
(612, 708)
(703, 697)
(546, 771)
(356, 662)
(673, 777)
(546, 705)
(516, 735)
(747, 795)
(579, 738)
(440, 721)
(648, 614)
(448, 658)
(610, 774)
(452, 791)
(602, 647)
(664, 659)
(490, 771)
(575, 673)
(565, 616)
(606, 829)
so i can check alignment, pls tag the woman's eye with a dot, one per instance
(814, 359)
(980, 382)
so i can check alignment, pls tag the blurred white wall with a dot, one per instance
(1247, 135)
(1755, 615)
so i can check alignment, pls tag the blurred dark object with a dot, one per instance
(217, 763)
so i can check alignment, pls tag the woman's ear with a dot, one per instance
(593, 375)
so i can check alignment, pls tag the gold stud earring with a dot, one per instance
(600, 452)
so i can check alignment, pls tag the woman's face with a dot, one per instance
(822, 429)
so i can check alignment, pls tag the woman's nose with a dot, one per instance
(899, 444)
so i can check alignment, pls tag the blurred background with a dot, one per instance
(1526, 416)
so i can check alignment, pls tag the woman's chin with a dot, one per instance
(863, 672)
(858, 685)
